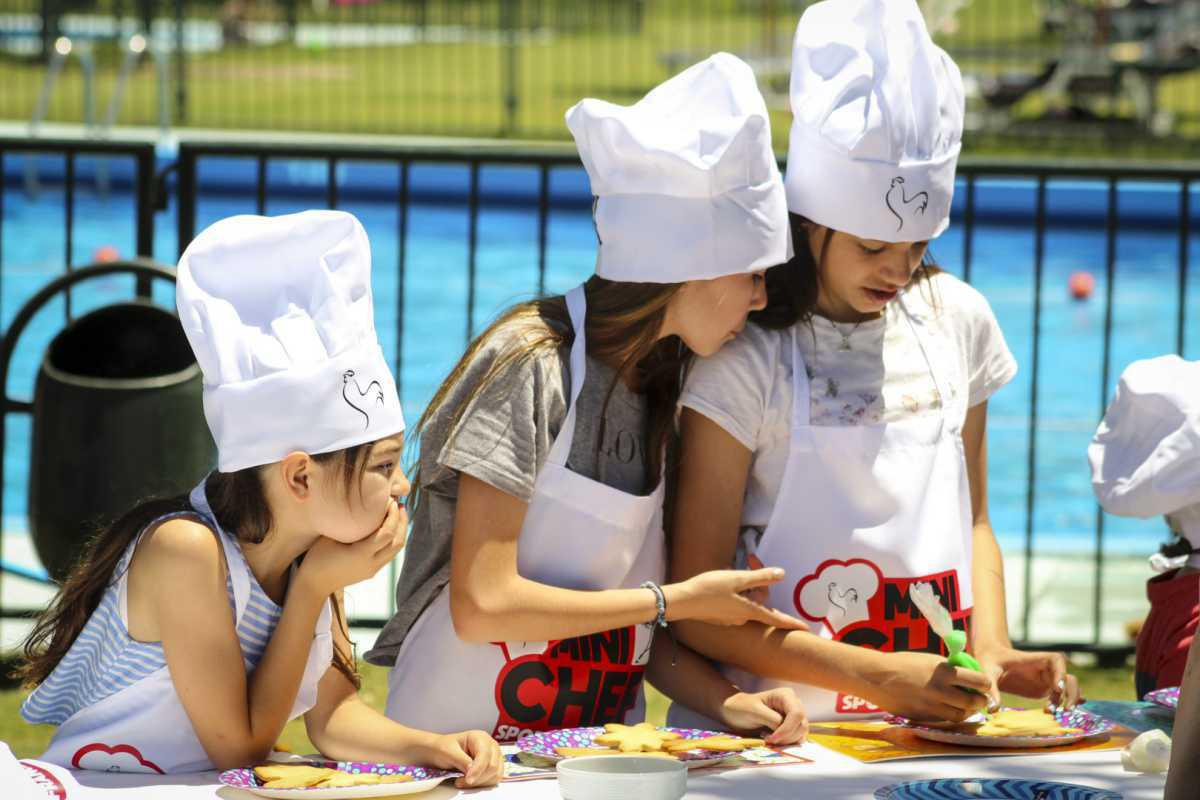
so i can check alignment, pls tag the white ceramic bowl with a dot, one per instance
(621, 777)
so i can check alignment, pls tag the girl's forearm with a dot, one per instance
(989, 618)
(524, 610)
(795, 656)
(275, 682)
(691, 680)
(353, 731)
(1185, 741)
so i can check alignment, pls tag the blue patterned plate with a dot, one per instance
(991, 789)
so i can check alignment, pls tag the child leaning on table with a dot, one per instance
(1145, 460)
(139, 660)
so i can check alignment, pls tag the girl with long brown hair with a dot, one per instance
(533, 587)
(139, 660)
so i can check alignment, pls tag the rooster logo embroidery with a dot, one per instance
(895, 194)
(351, 392)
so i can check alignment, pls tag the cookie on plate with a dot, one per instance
(642, 737)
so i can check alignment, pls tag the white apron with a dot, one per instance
(862, 513)
(144, 727)
(578, 534)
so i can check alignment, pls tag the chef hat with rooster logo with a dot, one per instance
(877, 119)
(278, 311)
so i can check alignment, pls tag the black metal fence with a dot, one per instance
(154, 184)
(1082, 76)
(142, 207)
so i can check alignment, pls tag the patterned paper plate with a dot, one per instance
(544, 743)
(1167, 698)
(996, 789)
(423, 779)
(1089, 724)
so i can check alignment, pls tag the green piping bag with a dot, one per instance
(939, 619)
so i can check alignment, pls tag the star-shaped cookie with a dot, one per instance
(642, 737)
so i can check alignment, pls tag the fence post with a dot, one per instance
(180, 67)
(510, 23)
(51, 16)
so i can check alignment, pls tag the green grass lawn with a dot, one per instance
(463, 89)
(30, 740)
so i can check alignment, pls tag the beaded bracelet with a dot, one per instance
(660, 601)
(660, 619)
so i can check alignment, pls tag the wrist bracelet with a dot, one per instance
(660, 602)
(660, 619)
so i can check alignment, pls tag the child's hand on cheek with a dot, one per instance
(330, 565)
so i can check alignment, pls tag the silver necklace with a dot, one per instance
(845, 345)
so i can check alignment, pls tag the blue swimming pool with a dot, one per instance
(1144, 310)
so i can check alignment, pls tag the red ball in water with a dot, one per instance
(105, 254)
(1081, 285)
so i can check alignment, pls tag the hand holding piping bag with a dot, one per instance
(939, 620)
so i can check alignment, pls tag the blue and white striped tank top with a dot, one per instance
(105, 659)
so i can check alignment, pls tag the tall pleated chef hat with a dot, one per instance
(877, 120)
(278, 311)
(685, 180)
(1145, 456)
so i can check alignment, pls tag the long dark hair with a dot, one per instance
(793, 287)
(622, 327)
(239, 503)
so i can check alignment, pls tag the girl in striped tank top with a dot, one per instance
(194, 628)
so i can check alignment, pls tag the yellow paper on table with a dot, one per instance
(871, 742)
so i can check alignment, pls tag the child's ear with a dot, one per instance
(295, 470)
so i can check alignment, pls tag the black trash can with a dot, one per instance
(117, 418)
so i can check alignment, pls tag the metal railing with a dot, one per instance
(144, 202)
(1069, 74)
(546, 160)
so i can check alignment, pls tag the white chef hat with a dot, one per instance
(1145, 455)
(686, 183)
(877, 119)
(278, 312)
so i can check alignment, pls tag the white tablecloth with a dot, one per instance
(831, 775)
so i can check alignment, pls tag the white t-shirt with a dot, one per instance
(746, 387)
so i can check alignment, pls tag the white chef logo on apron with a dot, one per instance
(571, 683)
(857, 604)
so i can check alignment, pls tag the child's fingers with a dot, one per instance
(775, 618)
(971, 680)
(793, 728)
(768, 717)
(497, 771)
(1064, 687)
(481, 761)
(391, 530)
(993, 673)
(759, 595)
(753, 579)
(457, 759)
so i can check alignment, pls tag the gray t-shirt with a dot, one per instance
(503, 439)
